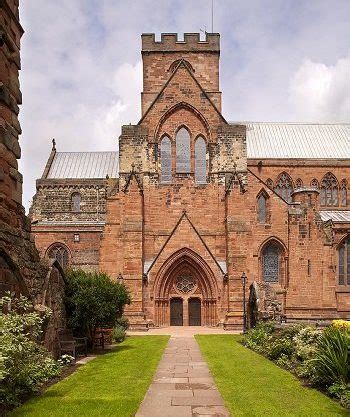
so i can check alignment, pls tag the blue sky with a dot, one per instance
(81, 73)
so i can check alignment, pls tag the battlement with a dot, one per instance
(169, 43)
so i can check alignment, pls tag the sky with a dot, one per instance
(81, 78)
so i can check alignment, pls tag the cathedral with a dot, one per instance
(206, 221)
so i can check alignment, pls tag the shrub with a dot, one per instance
(342, 392)
(24, 364)
(258, 337)
(118, 334)
(94, 300)
(280, 346)
(341, 324)
(332, 356)
(123, 322)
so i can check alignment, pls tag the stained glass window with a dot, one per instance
(76, 200)
(329, 190)
(344, 263)
(262, 208)
(200, 168)
(271, 263)
(165, 160)
(60, 253)
(284, 187)
(343, 193)
(183, 151)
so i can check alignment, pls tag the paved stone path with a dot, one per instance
(183, 385)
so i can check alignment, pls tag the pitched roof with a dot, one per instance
(84, 165)
(297, 140)
(336, 216)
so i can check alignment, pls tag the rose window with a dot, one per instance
(185, 284)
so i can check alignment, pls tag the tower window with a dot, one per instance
(165, 160)
(262, 208)
(200, 168)
(183, 151)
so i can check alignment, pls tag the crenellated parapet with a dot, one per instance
(170, 42)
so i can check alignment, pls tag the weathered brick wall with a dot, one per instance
(52, 201)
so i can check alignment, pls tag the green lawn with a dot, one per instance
(113, 384)
(251, 385)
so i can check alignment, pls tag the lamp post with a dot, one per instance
(244, 282)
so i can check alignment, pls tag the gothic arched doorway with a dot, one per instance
(185, 292)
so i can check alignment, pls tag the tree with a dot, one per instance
(94, 300)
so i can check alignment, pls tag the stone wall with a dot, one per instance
(21, 270)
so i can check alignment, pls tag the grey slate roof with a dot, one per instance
(84, 165)
(336, 216)
(297, 140)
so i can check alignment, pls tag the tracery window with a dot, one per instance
(329, 190)
(314, 184)
(284, 187)
(299, 183)
(200, 162)
(262, 208)
(75, 202)
(269, 183)
(271, 263)
(183, 151)
(165, 159)
(343, 193)
(60, 253)
(344, 263)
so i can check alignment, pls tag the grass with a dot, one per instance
(251, 385)
(113, 384)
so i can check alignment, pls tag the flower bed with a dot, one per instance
(319, 357)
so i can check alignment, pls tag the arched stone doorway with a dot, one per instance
(185, 292)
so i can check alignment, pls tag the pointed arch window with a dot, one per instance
(60, 253)
(284, 187)
(329, 190)
(344, 262)
(314, 184)
(269, 183)
(76, 202)
(271, 262)
(343, 193)
(299, 183)
(262, 207)
(183, 151)
(165, 160)
(200, 162)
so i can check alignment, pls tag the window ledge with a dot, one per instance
(342, 288)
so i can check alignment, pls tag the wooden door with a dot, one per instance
(176, 312)
(194, 312)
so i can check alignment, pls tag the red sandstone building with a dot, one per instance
(191, 201)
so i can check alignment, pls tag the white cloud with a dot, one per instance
(320, 92)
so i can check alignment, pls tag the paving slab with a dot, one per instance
(182, 385)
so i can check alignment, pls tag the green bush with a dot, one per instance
(259, 336)
(118, 334)
(123, 322)
(93, 300)
(25, 365)
(342, 392)
(332, 359)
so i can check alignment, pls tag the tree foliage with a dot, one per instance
(94, 300)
